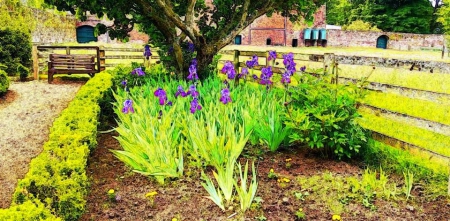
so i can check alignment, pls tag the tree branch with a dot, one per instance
(170, 14)
(190, 14)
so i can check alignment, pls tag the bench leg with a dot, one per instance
(50, 76)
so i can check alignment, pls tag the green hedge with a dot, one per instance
(15, 51)
(57, 177)
(4, 82)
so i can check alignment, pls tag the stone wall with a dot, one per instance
(92, 20)
(53, 28)
(399, 41)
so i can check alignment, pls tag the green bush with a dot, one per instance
(4, 82)
(324, 115)
(15, 50)
(23, 71)
(30, 210)
(57, 177)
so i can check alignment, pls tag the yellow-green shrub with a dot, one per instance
(57, 177)
(30, 210)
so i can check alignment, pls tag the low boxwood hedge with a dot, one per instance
(57, 177)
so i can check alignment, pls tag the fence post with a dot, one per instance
(236, 60)
(328, 61)
(34, 55)
(443, 51)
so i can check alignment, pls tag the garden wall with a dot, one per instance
(399, 41)
(53, 28)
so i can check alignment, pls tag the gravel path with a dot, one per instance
(27, 112)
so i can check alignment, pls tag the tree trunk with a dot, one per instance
(205, 56)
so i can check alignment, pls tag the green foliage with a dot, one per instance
(57, 176)
(152, 148)
(4, 82)
(246, 195)
(415, 16)
(15, 16)
(30, 210)
(335, 192)
(431, 171)
(324, 115)
(271, 129)
(15, 50)
(23, 71)
(409, 179)
(359, 25)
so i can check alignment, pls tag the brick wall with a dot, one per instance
(279, 29)
(399, 41)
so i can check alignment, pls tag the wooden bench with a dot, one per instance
(71, 64)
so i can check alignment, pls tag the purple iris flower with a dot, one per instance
(170, 51)
(303, 69)
(195, 106)
(228, 69)
(180, 91)
(191, 47)
(192, 91)
(253, 62)
(244, 73)
(128, 106)
(255, 77)
(272, 55)
(267, 71)
(193, 70)
(225, 96)
(138, 72)
(161, 94)
(147, 52)
(266, 74)
(124, 83)
(286, 79)
(288, 61)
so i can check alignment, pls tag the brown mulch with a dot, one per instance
(184, 198)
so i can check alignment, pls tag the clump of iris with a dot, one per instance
(128, 106)
(138, 72)
(266, 75)
(162, 95)
(147, 52)
(193, 70)
(195, 106)
(229, 70)
(225, 96)
(180, 91)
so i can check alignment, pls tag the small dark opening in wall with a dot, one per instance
(269, 41)
(238, 40)
(294, 42)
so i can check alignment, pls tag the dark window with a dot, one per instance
(294, 42)
(238, 40)
(269, 41)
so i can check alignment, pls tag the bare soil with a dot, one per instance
(184, 198)
(27, 111)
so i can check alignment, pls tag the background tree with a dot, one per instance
(209, 25)
(410, 16)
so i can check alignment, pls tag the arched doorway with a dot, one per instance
(382, 41)
(85, 34)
